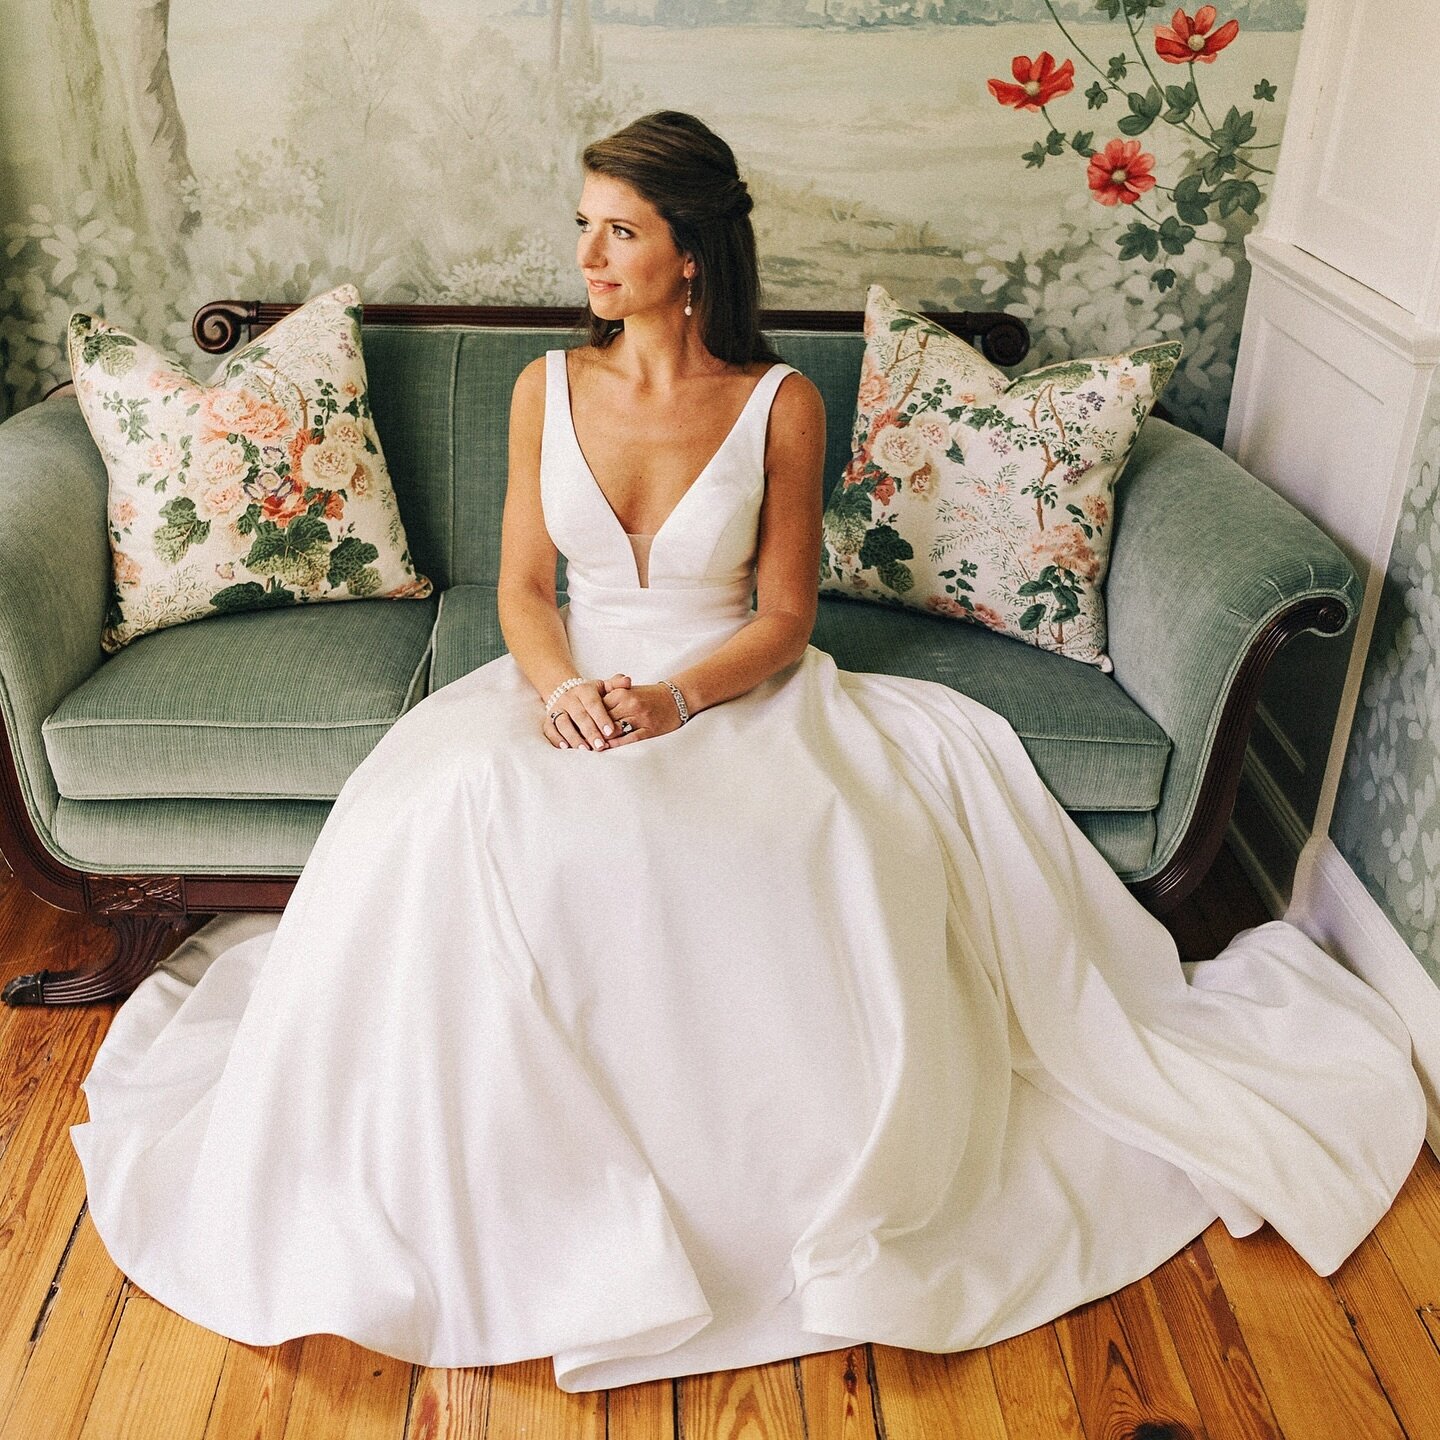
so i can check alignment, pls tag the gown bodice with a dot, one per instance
(640, 544)
(701, 560)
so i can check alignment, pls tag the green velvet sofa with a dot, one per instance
(191, 772)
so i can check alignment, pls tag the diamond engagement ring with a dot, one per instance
(626, 727)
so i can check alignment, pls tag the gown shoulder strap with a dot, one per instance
(557, 408)
(763, 396)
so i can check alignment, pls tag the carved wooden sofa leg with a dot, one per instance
(141, 941)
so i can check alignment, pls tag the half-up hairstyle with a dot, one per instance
(688, 173)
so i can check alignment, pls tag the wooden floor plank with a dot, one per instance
(448, 1404)
(41, 1184)
(24, 927)
(252, 1401)
(1409, 1232)
(1122, 1377)
(1124, 1370)
(44, 936)
(923, 1396)
(1158, 1363)
(64, 1365)
(1316, 1376)
(1430, 1318)
(344, 1392)
(758, 1403)
(159, 1377)
(1212, 1350)
(1393, 1336)
(525, 1401)
(835, 1395)
(1034, 1387)
(642, 1412)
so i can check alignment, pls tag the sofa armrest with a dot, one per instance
(1211, 572)
(54, 583)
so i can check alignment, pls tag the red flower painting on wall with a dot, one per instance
(1220, 173)
(1185, 40)
(1037, 82)
(1121, 173)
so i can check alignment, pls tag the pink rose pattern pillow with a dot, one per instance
(265, 487)
(980, 497)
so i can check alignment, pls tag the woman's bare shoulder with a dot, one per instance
(798, 399)
(527, 399)
(532, 377)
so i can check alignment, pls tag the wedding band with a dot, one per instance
(555, 715)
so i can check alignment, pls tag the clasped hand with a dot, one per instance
(588, 716)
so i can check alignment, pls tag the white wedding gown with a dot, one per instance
(814, 1022)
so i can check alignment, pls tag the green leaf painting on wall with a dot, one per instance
(434, 158)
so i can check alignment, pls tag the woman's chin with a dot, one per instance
(607, 304)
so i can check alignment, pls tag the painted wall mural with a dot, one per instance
(1387, 813)
(1092, 165)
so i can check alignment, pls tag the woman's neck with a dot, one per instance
(656, 351)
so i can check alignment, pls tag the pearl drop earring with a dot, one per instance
(688, 309)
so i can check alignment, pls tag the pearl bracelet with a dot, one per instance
(680, 704)
(561, 688)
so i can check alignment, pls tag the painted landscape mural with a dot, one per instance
(1091, 165)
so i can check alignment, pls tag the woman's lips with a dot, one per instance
(599, 286)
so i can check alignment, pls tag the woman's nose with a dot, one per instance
(591, 253)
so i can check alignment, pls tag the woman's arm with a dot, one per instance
(788, 563)
(529, 618)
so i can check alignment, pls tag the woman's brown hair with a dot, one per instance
(688, 173)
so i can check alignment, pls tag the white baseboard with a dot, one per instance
(1331, 904)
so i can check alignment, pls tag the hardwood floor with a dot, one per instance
(1230, 1339)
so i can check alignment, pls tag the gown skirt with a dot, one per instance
(814, 1022)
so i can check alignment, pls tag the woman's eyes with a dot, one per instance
(618, 229)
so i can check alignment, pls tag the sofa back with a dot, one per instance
(441, 400)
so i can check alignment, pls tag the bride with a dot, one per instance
(794, 1013)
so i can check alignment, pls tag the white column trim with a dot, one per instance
(1331, 904)
(1322, 30)
(1383, 320)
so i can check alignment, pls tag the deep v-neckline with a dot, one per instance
(689, 489)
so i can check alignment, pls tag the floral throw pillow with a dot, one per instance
(267, 486)
(973, 495)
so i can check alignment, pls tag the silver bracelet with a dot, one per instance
(680, 704)
(561, 688)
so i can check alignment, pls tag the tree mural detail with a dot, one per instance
(116, 65)
(1219, 173)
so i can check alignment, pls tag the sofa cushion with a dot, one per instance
(189, 837)
(980, 497)
(1093, 745)
(467, 633)
(266, 487)
(281, 703)
(1126, 838)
